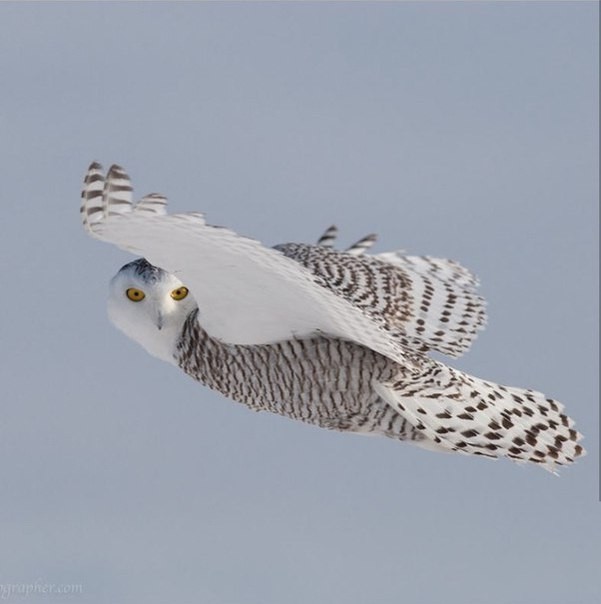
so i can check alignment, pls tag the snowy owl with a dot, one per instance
(337, 339)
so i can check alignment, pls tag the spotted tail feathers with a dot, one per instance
(456, 412)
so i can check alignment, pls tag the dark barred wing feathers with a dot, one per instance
(426, 303)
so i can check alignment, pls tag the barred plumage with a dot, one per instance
(309, 379)
(427, 303)
(338, 339)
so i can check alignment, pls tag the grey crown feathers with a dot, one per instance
(337, 339)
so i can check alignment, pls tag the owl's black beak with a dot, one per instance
(159, 321)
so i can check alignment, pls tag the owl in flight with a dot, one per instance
(338, 339)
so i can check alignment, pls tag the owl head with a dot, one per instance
(150, 306)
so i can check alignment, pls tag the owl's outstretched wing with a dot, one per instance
(251, 294)
(432, 301)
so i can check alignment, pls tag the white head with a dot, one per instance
(150, 306)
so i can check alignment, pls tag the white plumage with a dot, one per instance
(337, 339)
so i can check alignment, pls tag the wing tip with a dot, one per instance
(328, 237)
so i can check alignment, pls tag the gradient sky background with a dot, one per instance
(464, 130)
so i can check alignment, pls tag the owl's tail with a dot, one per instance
(461, 413)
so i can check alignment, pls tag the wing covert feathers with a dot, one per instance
(425, 303)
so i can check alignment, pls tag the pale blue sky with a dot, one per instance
(465, 130)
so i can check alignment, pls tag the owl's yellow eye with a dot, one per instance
(135, 295)
(179, 293)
